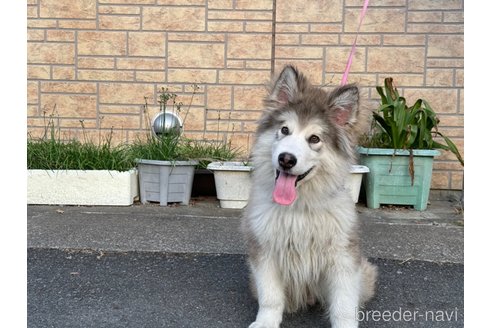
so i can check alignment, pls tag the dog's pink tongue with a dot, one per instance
(285, 189)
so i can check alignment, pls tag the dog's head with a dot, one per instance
(314, 130)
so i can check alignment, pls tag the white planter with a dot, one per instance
(78, 187)
(355, 180)
(166, 181)
(232, 182)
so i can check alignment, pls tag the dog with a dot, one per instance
(300, 224)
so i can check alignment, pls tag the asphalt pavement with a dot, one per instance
(185, 266)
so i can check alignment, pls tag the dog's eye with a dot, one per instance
(284, 130)
(314, 139)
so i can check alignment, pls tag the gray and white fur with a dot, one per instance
(306, 250)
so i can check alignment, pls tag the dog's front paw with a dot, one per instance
(257, 324)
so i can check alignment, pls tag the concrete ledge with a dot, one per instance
(434, 235)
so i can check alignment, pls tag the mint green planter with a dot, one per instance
(388, 180)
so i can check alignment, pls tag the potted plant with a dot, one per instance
(78, 173)
(165, 172)
(399, 151)
(232, 182)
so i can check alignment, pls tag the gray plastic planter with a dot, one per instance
(165, 181)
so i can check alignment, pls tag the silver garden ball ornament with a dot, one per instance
(165, 122)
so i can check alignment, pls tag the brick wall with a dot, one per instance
(96, 60)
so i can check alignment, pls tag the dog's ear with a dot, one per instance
(289, 85)
(343, 104)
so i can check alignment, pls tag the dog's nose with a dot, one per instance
(287, 160)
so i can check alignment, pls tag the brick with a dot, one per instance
(63, 73)
(69, 87)
(125, 93)
(147, 44)
(60, 35)
(32, 110)
(243, 77)
(404, 40)
(323, 11)
(120, 122)
(453, 17)
(291, 28)
(441, 100)
(460, 78)
(457, 179)
(39, 72)
(104, 75)
(220, 4)
(95, 62)
(435, 4)
(208, 37)
(359, 78)
(35, 35)
(246, 46)
(192, 55)
(147, 76)
(219, 97)
(140, 63)
(120, 109)
(77, 24)
(195, 119)
(362, 40)
(236, 63)
(403, 80)
(298, 52)
(224, 26)
(249, 98)
(376, 20)
(435, 28)
(32, 11)
(32, 92)
(424, 17)
(439, 77)
(265, 27)
(374, 3)
(192, 75)
(239, 15)
(396, 59)
(336, 59)
(287, 39)
(50, 53)
(439, 46)
(258, 64)
(70, 105)
(112, 22)
(133, 2)
(41, 23)
(326, 28)
(173, 18)
(445, 62)
(181, 2)
(319, 39)
(115, 10)
(67, 9)
(254, 5)
(440, 180)
(234, 115)
(101, 43)
(313, 69)
(78, 123)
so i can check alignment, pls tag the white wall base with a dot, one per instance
(78, 187)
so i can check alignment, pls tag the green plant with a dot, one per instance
(50, 152)
(171, 146)
(398, 126)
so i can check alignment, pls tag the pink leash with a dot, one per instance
(352, 52)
